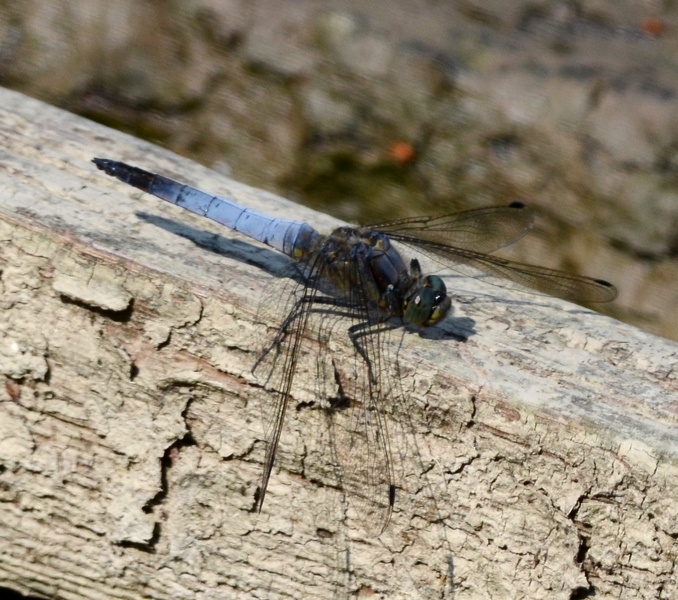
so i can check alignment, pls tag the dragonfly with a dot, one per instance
(355, 283)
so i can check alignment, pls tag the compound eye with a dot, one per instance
(429, 304)
(436, 284)
(426, 307)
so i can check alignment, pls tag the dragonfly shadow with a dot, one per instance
(459, 329)
(271, 261)
(454, 328)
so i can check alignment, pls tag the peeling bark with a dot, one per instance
(535, 460)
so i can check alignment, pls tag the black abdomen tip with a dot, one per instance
(102, 163)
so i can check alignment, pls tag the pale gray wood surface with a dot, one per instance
(538, 459)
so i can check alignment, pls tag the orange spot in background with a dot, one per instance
(653, 27)
(401, 152)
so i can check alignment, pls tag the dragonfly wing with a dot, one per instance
(481, 229)
(516, 275)
(364, 378)
(357, 375)
(286, 302)
(362, 445)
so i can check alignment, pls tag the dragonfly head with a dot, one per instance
(428, 304)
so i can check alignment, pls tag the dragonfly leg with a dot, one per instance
(355, 332)
(296, 312)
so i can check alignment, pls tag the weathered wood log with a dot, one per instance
(536, 459)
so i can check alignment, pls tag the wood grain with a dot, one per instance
(537, 459)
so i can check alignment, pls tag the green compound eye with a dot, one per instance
(428, 304)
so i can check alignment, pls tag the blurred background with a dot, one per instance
(372, 110)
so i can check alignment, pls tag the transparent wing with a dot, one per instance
(333, 315)
(365, 380)
(542, 279)
(463, 239)
(482, 229)
(287, 303)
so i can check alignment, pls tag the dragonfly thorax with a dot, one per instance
(366, 259)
